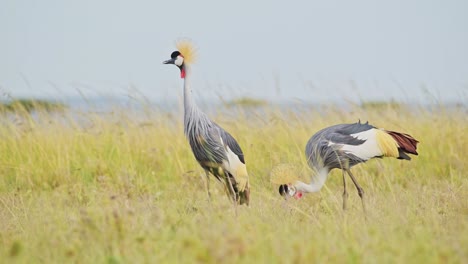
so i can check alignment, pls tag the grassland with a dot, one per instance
(123, 187)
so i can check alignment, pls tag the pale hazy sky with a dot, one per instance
(310, 50)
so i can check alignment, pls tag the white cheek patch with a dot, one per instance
(179, 61)
(291, 190)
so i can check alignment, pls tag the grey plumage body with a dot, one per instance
(204, 137)
(321, 154)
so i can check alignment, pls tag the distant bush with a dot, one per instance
(377, 105)
(246, 102)
(30, 105)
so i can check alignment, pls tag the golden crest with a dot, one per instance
(284, 174)
(187, 49)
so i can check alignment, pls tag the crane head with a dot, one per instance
(178, 60)
(288, 190)
(185, 54)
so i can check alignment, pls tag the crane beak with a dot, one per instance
(171, 61)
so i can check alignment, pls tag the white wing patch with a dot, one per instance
(367, 150)
(238, 169)
(233, 163)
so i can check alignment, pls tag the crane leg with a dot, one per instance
(359, 189)
(345, 192)
(207, 184)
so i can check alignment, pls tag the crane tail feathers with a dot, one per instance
(244, 196)
(242, 184)
(406, 144)
(240, 189)
(243, 190)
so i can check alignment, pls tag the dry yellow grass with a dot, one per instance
(114, 188)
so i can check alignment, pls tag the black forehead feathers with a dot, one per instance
(175, 54)
(283, 189)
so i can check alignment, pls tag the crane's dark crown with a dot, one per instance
(175, 54)
(283, 189)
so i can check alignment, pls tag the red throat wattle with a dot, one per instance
(298, 195)
(182, 73)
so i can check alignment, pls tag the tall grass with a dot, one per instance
(124, 188)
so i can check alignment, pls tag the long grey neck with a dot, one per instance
(188, 100)
(318, 180)
(191, 111)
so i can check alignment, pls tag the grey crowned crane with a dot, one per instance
(343, 146)
(215, 149)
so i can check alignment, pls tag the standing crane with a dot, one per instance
(215, 149)
(343, 146)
